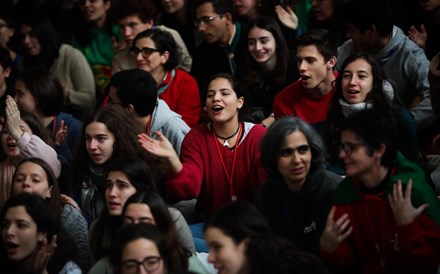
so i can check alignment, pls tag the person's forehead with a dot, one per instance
(205, 9)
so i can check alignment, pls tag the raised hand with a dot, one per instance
(418, 36)
(401, 205)
(13, 118)
(61, 134)
(287, 16)
(335, 232)
(161, 148)
(44, 254)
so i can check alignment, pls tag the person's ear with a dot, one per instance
(164, 57)
(41, 236)
(130, 108)
(381, 151)
(49, 192)
(331, 63)
(228, 16)
(240, 102)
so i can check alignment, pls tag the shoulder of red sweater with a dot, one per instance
(287, 91)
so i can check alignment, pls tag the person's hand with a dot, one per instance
(65, 199)
(401, 205)
(161, 148)
(61, 134)
(44, 254)
(287, 16)
(418, 36)
(13, 118)
(335, 232)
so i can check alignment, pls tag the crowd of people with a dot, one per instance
(220, 136)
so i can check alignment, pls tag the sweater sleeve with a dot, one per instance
(420, 245)
(33, 146)
(82, 92)
(186, 184)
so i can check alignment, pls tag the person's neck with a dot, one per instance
(159, 75)
(326, 85)
(270, 64)
(100, 23)
(45, 120)
(227, 133)
(180, 16)
(374, 176)
(230, 30)
(382, 42)
(143, 121)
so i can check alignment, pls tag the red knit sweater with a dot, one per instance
(182, 96)
(203, 174)
(295, 101)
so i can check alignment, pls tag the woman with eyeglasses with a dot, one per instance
(297, 196)
(155, 52)
(360, 85)
(141, 248)
(386, 216)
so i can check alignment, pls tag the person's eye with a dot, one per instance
(286, 152)
(303, 149)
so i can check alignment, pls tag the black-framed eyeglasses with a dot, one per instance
(146, 52)
(349, 147)
(150, 264)
(205, 20)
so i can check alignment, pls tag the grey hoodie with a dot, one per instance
(169, 123)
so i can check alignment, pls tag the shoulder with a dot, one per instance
(288, 91)
(254, 131)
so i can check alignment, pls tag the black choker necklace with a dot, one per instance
(225, 139)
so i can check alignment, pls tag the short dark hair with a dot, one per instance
(375, 127)
(323, 41)
(145, 9)
(273, 141)
(364, 13)
(220, 7)
(45, 88)
(163, 42)
(136, 87)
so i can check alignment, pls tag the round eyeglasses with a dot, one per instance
(150, 264)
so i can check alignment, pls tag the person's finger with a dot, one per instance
(344, 225)
(408, 190)
(344, 235)
(331, 215)
(421, 208)
(422, 28)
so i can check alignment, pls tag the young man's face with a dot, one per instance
(361, 40)
(4, 73)
(130, 26)
(212, 26)
(313, 69)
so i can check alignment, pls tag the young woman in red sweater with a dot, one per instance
(220, 160)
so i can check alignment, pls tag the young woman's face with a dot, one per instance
(155, 61)
(173, 6)
(136, 213)
(24, 98)
(20, 234)
(262, 45)
(357, 81)
(94, 10)
(30, 42)
(226, 256)
(222, 103)
(295, 160)
(142, 250)
(31, 178)
(118, 189)
(9, 145)
(99, 142)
